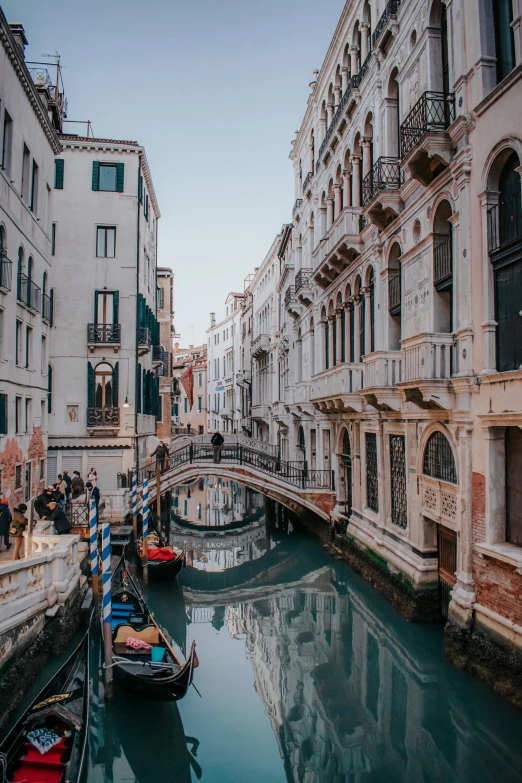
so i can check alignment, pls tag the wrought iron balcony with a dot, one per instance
(363, 222)
(307, 180)
(363, 70)
(47, 309)
(345, 100)
(389, 12)
(442, 263)
(103, 333)
(385, 174)
(260, 345)
(159, 354)
(6, 271)
(103, 417)
(505, 223)
(433, 112)
(394, 295)
(297, 204)
(290, 296)
(143, 337)
(302, 279)
(29, 293)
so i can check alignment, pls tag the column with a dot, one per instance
(338, 200)
(357, 327)
(339, 339)
(347, 176)
(337, 96)
(332, 321)
(489, 325)
(364, 42)
(345, 76)
(329, 212)
(367, 321)
(366, 155)
(321, 358)
(464, 594)
(330, 110)
(353, 60)
(356, 180)
(322, 222)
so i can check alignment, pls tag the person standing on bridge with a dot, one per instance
(217, 441)
(161, 453)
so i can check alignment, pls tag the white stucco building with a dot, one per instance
(223, 364)
(105, 349)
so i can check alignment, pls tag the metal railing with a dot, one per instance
(388, 13)
(505, 222)
(290, 297)
(103, 333)
(442, 261)
(345, 99)
(307, 180)
(47, 309)
(394, 295)
(298, 474)
(29, 293)
(297, 204)
(144, 336)
(434, 111)
(385, 174)
(6, 271)
(302, 279)
(103, 417)
(363, 222)
(363, 70)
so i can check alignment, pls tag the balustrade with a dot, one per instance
(389, 12)
(382, 369)
(103, 333)
(394, 295)
(29, 293)
(427, 357)
(302, 279)
(434, 111)
(442, 262)
(385, 174)
(103, 417)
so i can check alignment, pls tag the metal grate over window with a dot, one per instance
(372, 480)
(398, 480)
(438, 459)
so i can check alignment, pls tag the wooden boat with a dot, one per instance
(161, 570)
(57, 719)
(157, 672)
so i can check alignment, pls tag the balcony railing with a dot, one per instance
(394, 295)
(103, 417)
(302, 279)
(29, 293)
(307, 180)
(260, 345)
(159, 354)
(6, 271)
(345, 99)
(505, 223)
(433, 112)
(382, 369)
(103, 333)
(385, 174)
(297, 204)
(389, 12)
(363, 70)
(47, 309)
(363, 222)
(143, 336)
(442, 262)
(290, 297)
(427, 357)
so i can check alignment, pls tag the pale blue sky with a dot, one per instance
(214, 90)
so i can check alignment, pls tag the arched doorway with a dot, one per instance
(346, 468)
(301, 444)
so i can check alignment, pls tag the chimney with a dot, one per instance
(19, 36)
(212, 319)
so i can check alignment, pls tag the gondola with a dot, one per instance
(56, 722)
(156, 672)
(161, 570)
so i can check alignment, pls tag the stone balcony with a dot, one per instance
(303, 287)
(227, 413)
(426, 370)
(383, 370)
(243, 377)
(382, 200)
(260, 345)
(338, 248)
(103, 335)
(260, 412)
(337, 390)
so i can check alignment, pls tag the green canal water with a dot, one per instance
(306, 674)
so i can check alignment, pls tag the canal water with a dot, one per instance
(306, 674)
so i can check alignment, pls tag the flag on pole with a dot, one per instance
(187, 381)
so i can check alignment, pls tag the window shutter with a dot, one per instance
(96, 307)
(119, 177)
(116, 307)
(95, 175)
(140, 189)
(90, 385)
(3, 414)
(138, 388)
(115, 385)
(58, 173)
(146, 208)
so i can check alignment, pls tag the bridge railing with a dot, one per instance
(298, 474)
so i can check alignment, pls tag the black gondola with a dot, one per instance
(56, 721)
(156, 673)
(161, 570)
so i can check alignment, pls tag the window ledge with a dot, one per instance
(508, 553)
(499, 90)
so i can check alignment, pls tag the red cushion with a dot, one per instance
(160, 554)
(34, 775)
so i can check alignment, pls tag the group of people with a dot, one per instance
(50, 505)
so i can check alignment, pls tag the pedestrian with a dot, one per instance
(18, 525)
(161, 452)
(188, 428)
(93, 477)
(217, 441)
(77, 485)
(68, 481)
(61, 486)
(5, 522)
(41, 504)
(59, 518)
(93, 492)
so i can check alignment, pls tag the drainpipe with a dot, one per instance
(140, 155)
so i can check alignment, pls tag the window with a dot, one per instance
(513, 445)
(438, 459)
(7, 144)
(3, 414)
(185, 405)
(43, 355)
(42, 469)
(18, 415)
(372, 478)
(42, 416)
(200, 404)
(200, 379)
(398, 480)
(107, 177)
(53, 239)
(104, 389)
(106, 307)
(159, 417)
(28, 418)
(504, 38)
(18, 477)
(18, 343)
(160, 298)
(25, 173)
(28, 347)
(59, 164)
(1, 334)
(34, 189)
(185, 508)
(146, 208)
(49, 389)
(105, 242)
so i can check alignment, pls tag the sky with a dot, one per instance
(214, 90)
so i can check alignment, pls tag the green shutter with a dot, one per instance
(115, 385)
(58, 173)
(95, 175)
(138, 388)
(116, 307)
(3, 414)
(96, 307)
(119, 177)
(90, 385)
(140, 188)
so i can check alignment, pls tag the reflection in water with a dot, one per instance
(307, 676)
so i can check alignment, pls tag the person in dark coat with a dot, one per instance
(5, 522)
(68, 482)
(41, 504)
(161, 453)
(77, 485)
(93, 492)
(59, 518)
(217, 441)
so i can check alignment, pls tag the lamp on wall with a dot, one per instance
(126, 404)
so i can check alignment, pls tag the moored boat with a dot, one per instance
(163, 562)
(48, 743)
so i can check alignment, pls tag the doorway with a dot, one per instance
(447, 546)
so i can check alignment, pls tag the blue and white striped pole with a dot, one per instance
(145, 530)
(134, 495)
(107, 605)
(93, 545)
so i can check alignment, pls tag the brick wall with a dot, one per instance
(479, 507)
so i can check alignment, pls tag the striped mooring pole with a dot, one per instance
(107, 607)
(135, 504)
(145, 531)
(93, 545)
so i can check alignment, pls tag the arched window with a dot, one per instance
(443, 268)
(30, 266)
(346, 463)
(103, 386)
(44, 283)
(438, 459)
(301, 443)
(326, 344)
(372, 311)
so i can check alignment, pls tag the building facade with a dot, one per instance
(165, 316)
(223, 366)
(104, 389)
(187, 418)
(31, 114)
(399, 333)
